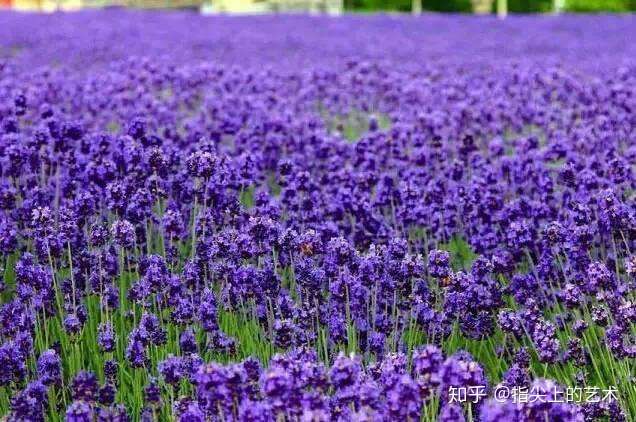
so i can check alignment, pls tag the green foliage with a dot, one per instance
(246, 197)
(514, 6)
(462, 255)
(405, 5)
(529, 6)
(463, 6)
(354, 125)
(600, 5)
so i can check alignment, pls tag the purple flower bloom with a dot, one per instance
(113, 414)
(111, 368)
(439, 264)
(278, 388)
(106, 394)
(188, 342)
(459, 371)
(191, 413)
(344, 372)
(106, 337)
(171, 369)
(30, 403)
(178, 204)
(79, 411)
(50, 368)
(211, 389)
(12, 365)
(123, 233)
(403, 401)
(136, 350)
(84, 387)
(496, 411)
(255, 411)
(152, 393)
(283, 333)
(451, 413)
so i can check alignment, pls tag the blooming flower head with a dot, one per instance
(49, 368)
(79, 411)
(439, 264)
(106, 337)
(123, 233)
(84, 386)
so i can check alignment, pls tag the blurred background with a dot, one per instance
(499, 7)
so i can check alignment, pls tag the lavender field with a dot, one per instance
(302, 218)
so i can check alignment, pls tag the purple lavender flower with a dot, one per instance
(207, 312)
(283, 333)
(496, 411)
(451, 413)
(211, 388)
(79, 411)
(136, 353)
(12, 365)
(188, 342)
(545, 341)
(50, 368)
(72, 324)
(460, 370)
(111, 368)
(123, 233)
(30, 403)
(116, 413)
(152, 393)
(191, 413)
(106, 394)
(403, 400)
(277, 389)
(84, 387)
(172, 369)
(202, 164)
(255, 411)
(150, 327)
(344, 372)
(106, 337)
(439, 264)
(201, 208)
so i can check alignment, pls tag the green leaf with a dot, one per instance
(462, 255)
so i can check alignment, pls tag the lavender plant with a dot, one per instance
(333, 230)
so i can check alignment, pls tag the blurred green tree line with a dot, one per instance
(514, 6)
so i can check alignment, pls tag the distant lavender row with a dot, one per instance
(95, 38)
(365, 216)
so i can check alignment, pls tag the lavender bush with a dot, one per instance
(311, 219)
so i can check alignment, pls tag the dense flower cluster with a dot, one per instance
(352, 240)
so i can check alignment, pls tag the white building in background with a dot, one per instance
(42, 5)
(334, 7)
(71, 5)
